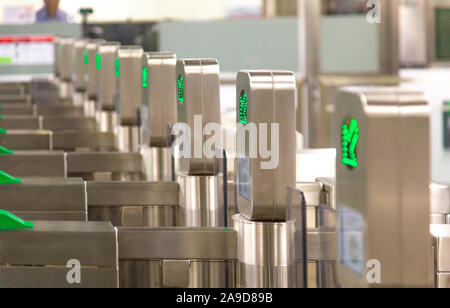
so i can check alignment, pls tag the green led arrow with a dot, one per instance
(6, 179)
(3, 131)
(5, 151)
(9, 222)
(243, 108)
(180, 87)
(117, 68)
(350, 138)
(145, 77)
(98, 61)
(86, 57)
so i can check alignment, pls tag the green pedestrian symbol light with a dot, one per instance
(350, 138)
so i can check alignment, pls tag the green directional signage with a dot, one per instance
(350, 138)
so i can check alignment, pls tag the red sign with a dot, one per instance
(26, 39)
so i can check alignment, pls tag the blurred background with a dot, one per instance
(328, 43)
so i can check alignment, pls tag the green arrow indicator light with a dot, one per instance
(243, 108)
(117, 67)
(9, 222)
(86, 57)
(98, 61)
(5, 151)
(350, 138)
(180, 86)
(6, 179)
(145, 77)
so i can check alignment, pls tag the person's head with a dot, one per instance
(52, 7)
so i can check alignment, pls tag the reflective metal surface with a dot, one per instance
(201, 201)
(71, 141)
(60, 110)
(158, 163)
(107, 121)
(130, 84)
(27, 140)
(440, 199)
(21, 122)
(46, 263)
(262, 184)
(46, 199)
(128, 138)
(177, 257)
(69, 123)
(159, 98)
(90, 163)
(139, 204)
(383, 203)
(107, 88)
(441, 245)
(79, 67)
(66, 58)
(92, 76)
(199, 96)
(34, 164)
(18, 109)
(266, 254)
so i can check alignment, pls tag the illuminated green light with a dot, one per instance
(350, 138)
(98, 61)
(5, 60)
(86, 57)
(117, 67)
(180, 86)
(243, 108)
(145, 77)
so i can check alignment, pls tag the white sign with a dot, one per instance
(18, 14)
(26, 50)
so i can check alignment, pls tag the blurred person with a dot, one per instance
(50, 12)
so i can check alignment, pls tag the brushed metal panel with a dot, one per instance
(134, 194)
(44, 194)
(70, 141)
(55, 277)
(177, 243)
(21, 122)
(271, 97)
(55, 243)
(69, 123)
(104, 162)
(34, 164)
